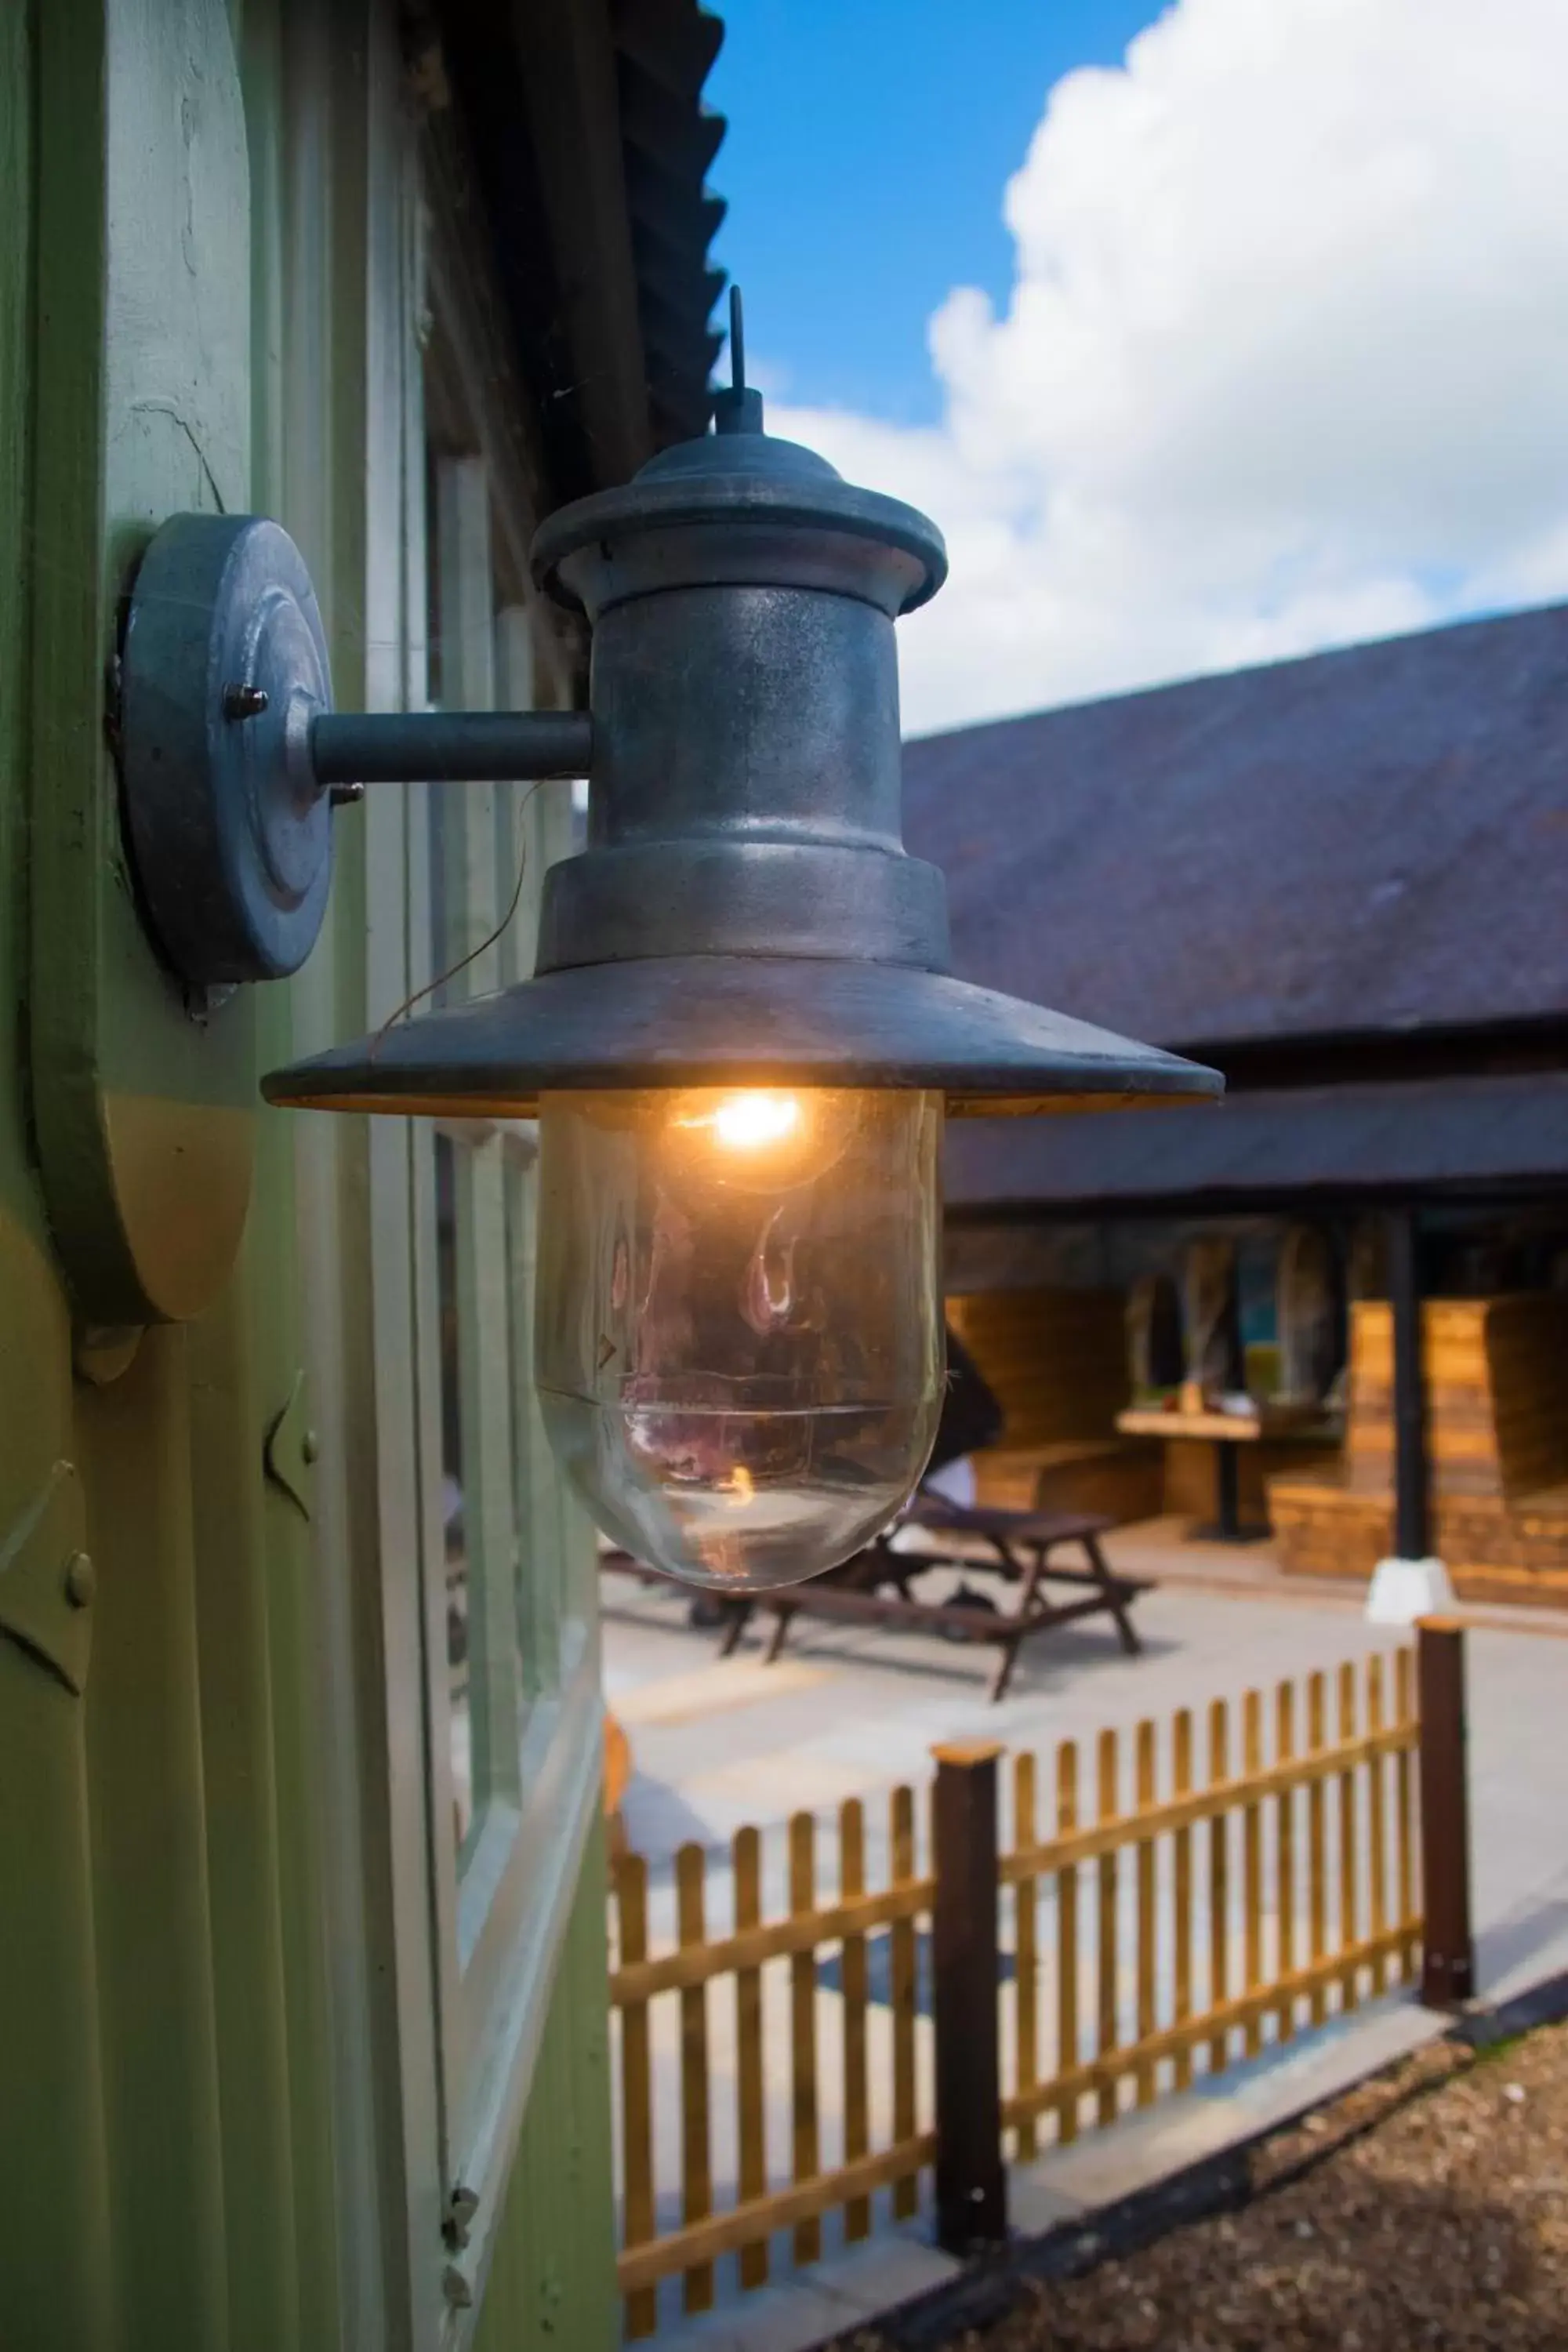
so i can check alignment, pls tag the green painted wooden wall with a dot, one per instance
(553, 2280)
(56, 2274)
(206, 2127)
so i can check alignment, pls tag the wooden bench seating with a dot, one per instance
(1115, 1478)
(1497, 1440)
(1493, 1550)
(1057, 1362)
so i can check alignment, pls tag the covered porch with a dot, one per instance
(1350, 1303)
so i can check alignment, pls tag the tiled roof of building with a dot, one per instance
(1366, 842)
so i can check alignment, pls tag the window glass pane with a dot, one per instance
(477, 1414)
(518, 1561)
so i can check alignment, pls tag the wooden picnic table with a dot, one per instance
(1225, 1432)
(1015, 1545)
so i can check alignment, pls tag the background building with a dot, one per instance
(1341, 881)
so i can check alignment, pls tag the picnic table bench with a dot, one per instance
(1016, 1546)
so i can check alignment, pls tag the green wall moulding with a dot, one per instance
(292, 1449)
(142, 1097)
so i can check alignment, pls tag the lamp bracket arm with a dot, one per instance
(449, 747)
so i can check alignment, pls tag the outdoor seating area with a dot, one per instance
(1012, 1549)
(1293, 1436)
(1147, 1408)
(1144, 1403)
(1182, 1413)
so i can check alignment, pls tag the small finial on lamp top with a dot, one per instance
(737, 341)
(739, 409)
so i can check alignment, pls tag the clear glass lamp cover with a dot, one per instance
(738, 1336)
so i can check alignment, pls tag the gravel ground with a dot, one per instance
(1429, 2207)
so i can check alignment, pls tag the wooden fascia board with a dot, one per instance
(566, 62)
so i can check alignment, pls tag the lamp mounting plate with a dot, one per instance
(223, 669)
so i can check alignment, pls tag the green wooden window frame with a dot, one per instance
(501, 1887)
(440, 1979)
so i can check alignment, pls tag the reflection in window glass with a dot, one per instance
(549, 1636)
(532, 1634)
(455, 1542)
(508, 1645)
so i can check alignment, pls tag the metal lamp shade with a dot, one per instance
(752, 1021)
(744, 913)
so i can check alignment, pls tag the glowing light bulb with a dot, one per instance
(738, 1343)
(749, 1122)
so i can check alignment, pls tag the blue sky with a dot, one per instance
(1277, 362)
(870, 144)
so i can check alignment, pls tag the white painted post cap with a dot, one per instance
(1403, 1589)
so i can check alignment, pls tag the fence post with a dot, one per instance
(971, 2183)
(1447, 1960)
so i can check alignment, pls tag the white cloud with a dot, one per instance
(1285, 361)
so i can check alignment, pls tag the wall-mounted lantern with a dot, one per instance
(740, 1039)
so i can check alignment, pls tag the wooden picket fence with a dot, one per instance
(797, 1943)
(962, 2001)
(1344, 1920)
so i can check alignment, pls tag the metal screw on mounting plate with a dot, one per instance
(345, 795)
(243, 701)
(81, 1580)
